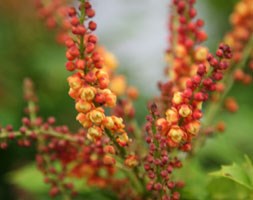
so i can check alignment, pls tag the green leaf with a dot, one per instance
(30, 179)
(241, 174)
(225, 189)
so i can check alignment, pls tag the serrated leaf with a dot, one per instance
(241, 174)
(225, 189)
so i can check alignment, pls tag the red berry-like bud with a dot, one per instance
(54, 191)
(219, 53)
(192, 13)
(217, 76)
(69, 43)
(80, 64)
(70, 66)
(90, 47)
(90, 12)
(81, 30)
(201, 70)
(71, 11)
(92, 25)
(93, 39)
(74, 21)
(196, 79)
(199, 96)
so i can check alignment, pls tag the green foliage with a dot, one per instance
(241, 174)
(30, 179)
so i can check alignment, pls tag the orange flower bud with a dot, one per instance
(108, 160)
(82, 118)
(122, 139)
(101, 74)
(109, 149)
(110, 98)
(193, 127)
(131, 161)
(241, 8)
(176, 134)
(220, 126)
(231, 104)
(108, 122)
(88, 93)
(220, 87)
(172, 115)
(185, 110)
(74, 82)
(94, 133)
(162, 125)
(103, 82)
(118, 85)
(96, 115)
(73, 93)
(180, 51)
(110, 61)
(132, 93)
(118, 123)
(114, 123)
(239, 74)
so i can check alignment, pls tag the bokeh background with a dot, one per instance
(136, 32)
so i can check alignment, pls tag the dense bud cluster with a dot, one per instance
(54, 13)
(159, 163)
(89, 85)
(194, 74)
(186, 33)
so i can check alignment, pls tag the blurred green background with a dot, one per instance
(138, 29)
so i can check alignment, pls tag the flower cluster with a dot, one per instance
(89, 84)
(194, 74)
(186, 34)
(110, 139)
(238, 39)
(54, 13)
(182, 119)
(159, 163)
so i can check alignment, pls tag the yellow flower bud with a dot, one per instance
(201, 54)
(185, 110)
(176, 134)
(131, 161)
(94, 133)
(88, 93)
(180, 51)
(177, 98)
(122, 139)
(74, 82)
(108, 123)
(97, 115)
(82, 118)
(172, 115)
(193, 127)
(83, 106)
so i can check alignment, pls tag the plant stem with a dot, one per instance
(71, 138)
(134, 176)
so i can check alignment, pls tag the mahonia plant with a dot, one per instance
(109, 140)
